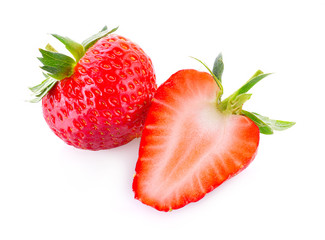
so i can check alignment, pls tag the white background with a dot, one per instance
(49, 190)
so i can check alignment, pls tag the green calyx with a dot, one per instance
(58, 66)
(234, 103)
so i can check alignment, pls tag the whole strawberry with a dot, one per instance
(99, 99)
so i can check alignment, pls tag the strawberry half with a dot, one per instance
(100, 98)
(192, 141)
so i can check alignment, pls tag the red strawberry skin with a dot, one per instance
(105, 102)
(188, 147)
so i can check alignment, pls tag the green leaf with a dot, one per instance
(263, 127)
(89, 42)
(76, 49)
(267, 125)
(257, 73)
(214, 77)
(40, 90)
(57, 64)
(218, 67)
(258, 76)
(277, 125)
(49, 47)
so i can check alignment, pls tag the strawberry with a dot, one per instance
(99, 99)
(192, 141)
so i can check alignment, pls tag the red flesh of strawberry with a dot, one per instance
(188, 146)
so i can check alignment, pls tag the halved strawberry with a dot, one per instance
(192, 141)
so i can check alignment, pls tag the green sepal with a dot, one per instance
(76, 49)
(257, 73)
(267, 125)
(40, 90)
(58, 65)
(277, 125)
(89, 42)
(218, 67)
(49, 47)
(258, 76)
(214, 77)
(263, 127)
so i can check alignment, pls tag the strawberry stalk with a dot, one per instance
(234, 103)
(58, 66)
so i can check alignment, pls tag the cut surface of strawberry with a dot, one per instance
(192, 141)
(188, 147)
